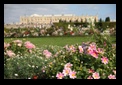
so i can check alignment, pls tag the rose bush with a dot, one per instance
(89, 60)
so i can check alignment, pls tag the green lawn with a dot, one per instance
(60, 41)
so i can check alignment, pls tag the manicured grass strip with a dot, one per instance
(59, 41)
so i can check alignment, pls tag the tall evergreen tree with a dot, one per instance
(60, 20)
(95, 20)
(100, 24)
(100, 20)
(107, 19)
(81, 20)
(76, 21)
(85, 23)
(64, 21)
(85, 20)
(70, 21)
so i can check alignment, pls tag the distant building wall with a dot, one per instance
(47, 19)
(39, 20)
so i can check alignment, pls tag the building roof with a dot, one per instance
(35, 15)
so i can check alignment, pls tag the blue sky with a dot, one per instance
(12, 12)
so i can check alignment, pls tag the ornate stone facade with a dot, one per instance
(47, 19)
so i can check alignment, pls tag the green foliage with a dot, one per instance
(107, 19)
(104, 25)
(85, 59)
(50, 30)
(100, 20)
(25, 66)
(28, 64)
(35, 64)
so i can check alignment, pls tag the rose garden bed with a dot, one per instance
(89, 60)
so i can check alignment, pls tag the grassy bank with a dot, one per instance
(60, 41)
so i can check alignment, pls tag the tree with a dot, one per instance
(60, 20)
(76, 21)
(85, 20)
(85, 24)
(107, 19)
(100, 24)
(100, 20)
(64, 21)
(81, 20)
(70, 21)
(95, 20)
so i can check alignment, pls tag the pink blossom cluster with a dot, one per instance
(6, 45)
(18, 42)
(66, 47)
(71, 48)
(104, 60)
(29, 45)
(10, 53)
(112, 76)
(66, 71)
(100, 51)
(91, 71)
(90, 77)
(95, 75)
(80, 49)
(93, 51)
(47, 53)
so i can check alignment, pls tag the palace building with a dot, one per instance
(47, 19)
